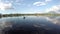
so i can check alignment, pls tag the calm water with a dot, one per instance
(30, 25)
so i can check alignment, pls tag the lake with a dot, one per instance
(30, 25)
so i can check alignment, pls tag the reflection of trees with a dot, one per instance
(0, 15)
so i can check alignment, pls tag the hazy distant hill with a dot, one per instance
(53, 12)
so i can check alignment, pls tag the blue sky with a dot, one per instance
(29, 6)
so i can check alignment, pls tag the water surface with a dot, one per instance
(30, 25)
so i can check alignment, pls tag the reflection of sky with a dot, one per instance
(5, 24)
(44, 22)
(54, 20)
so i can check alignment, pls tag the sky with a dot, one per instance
(29, 6)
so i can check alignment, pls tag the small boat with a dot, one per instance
(23, 17)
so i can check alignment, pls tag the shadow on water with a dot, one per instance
(31, 25)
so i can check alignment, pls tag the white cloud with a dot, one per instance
(54, 8)
(0, 0)
(18, 1)
(39, 3)
(48, 0)
(5, 6)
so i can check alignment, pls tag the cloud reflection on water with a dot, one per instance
(47, 23)
(55, 20)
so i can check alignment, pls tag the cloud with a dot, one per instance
(54, 8)
(5, 6)
(18, 1)
(8, 4)
(39, 3)
(48, 0)
(0, 0)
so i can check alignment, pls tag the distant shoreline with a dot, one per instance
(12, 15)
